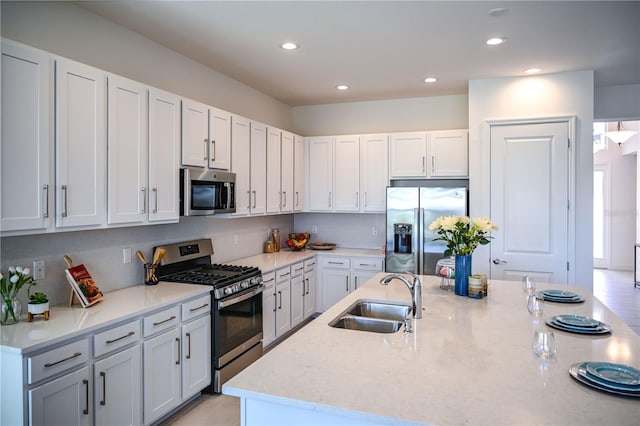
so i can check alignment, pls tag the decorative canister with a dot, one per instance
(446, 268)
(268, 246)
(275, 236)
(476, 287)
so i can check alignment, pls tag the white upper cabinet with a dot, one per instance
(128, 151)
(206, 136)
(347, 174)
(287, 169)
(448, 152)
(258, 168)
(320, 173)
(27, 193)
(220, 139)
(195, 134)
(164, 156)
(298, 173)
(81, 149)
(408, 155)
(274, 193)
(374, 176)
(241, 162)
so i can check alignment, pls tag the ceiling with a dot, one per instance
(385, 49)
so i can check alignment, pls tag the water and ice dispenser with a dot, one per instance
(403, 237)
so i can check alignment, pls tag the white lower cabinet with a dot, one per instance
(298, 289)
(283, 301)
(339, 276)
(161, 391)
(309, 298)
(268, 309)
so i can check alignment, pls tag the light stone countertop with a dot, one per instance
(67, 322)
(268, 262)
(468, 362)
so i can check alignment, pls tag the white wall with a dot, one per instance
(394, 115)
(350, 230)
(559, 94)
(101, 250)
(75, 33)
(617, 102)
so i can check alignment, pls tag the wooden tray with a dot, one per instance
(321, 246)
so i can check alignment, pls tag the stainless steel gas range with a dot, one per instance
(236, 314)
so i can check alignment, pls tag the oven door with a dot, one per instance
(237, 325)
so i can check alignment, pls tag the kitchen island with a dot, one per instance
(467, 361)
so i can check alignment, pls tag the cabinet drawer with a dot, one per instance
(60, 359)
(297, 269)
(269, 280)
(283, 274)
(367, 264)
(197, 307)
(116, 338)
(336, 262)
(309, 264)
(162, 320)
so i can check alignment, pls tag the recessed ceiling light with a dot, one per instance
(289, 46)
(533, 70)
(494, 41)
(498, 11)
(342, 87)
(430, 80)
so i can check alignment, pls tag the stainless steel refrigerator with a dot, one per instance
(410, 211)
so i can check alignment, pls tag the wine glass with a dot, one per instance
(535, 306)
(528, 285)
(544, 344)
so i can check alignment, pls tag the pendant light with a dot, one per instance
(620, 136)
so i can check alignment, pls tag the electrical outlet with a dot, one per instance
(374, 231)
(38, 270)
(126, 255)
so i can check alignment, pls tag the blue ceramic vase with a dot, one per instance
(463, 270)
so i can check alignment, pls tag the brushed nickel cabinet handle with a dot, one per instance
(144, 200)
(255, 198)
(63, 189)
(155, 198)
(213, 146)
(206, 144)
(45, 190)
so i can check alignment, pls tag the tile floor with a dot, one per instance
(614, 288)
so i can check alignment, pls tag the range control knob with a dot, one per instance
(244, 284)
(228, 290)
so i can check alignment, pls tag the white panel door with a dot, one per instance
(298, 174)
(529, 201)
(128, 151)
(347, 173)
(286, 177)
(26, 136)
(195, 134)
(258, 168)
(274, 193)
(241, 162)
(320, 174)
(164, 156)
(374, 173)
(81, 144)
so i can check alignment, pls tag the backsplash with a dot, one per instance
(348, 230)
(101, 250)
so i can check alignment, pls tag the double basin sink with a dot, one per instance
(374, 316)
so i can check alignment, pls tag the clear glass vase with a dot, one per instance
(11, 311)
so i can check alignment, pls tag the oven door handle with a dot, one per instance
(240, 298)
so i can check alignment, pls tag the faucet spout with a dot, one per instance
(415, 288)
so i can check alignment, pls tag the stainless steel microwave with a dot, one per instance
(205, 192)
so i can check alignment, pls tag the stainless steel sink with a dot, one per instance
(374, 316)
(389, 311)
(366, 324)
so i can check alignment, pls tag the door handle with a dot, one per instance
(497, 261)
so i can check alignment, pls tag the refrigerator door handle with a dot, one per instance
(417, 233)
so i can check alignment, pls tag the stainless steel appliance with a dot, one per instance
(205, 192)
(236, 315)
(410, 211)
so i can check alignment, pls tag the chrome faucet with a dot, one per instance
(414, 287)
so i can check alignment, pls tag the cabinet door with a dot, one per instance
(220, 143)
(286, 178)
(26, 136)
(63, 401)
(161, 391)
(196, 356)
(283, 308)
(320, 174)
(347, 175)
(309, 293)
(336, 284)
(241, 163)
(361, 277)
(408, 153)
(298, 173)
(374, 176)
(164, 156)
(297, 300)
(195, 134)
(274, 194)
(258, 168)
(118, 386)
(269, 307)
(448, 152)
(81, 148)
(127, 147)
